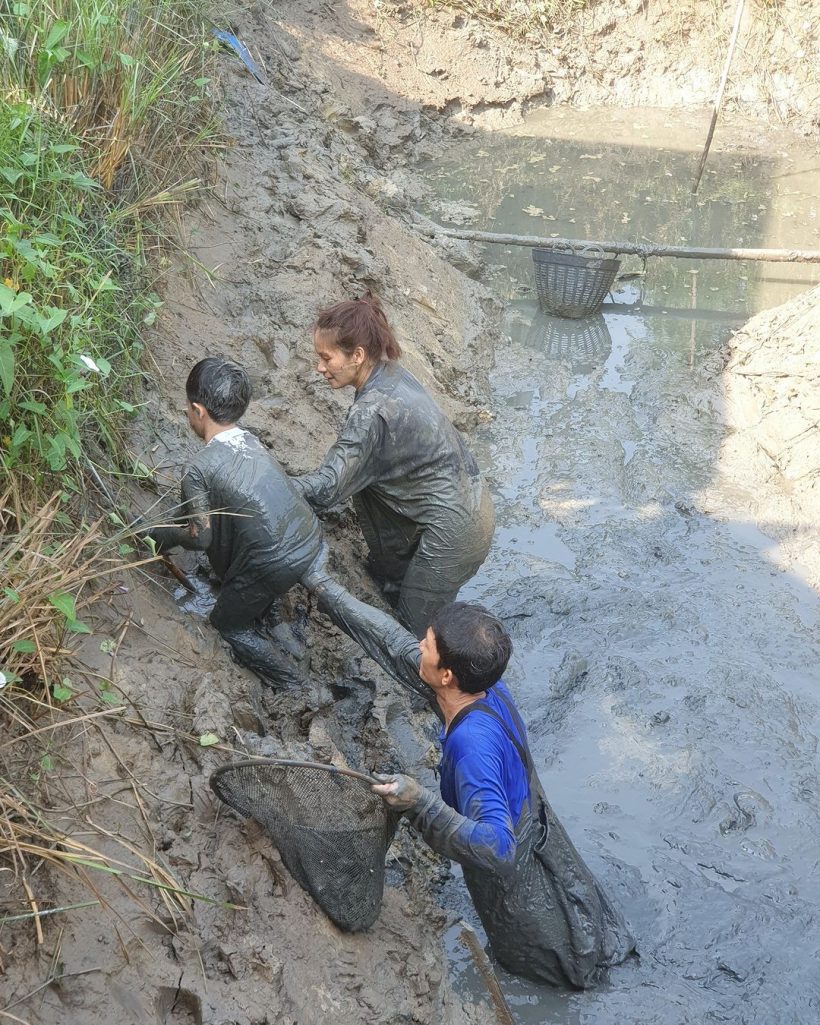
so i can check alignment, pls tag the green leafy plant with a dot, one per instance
(100, 121)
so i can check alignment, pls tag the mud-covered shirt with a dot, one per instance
(240, 508)
(397, 444)
(482, 775)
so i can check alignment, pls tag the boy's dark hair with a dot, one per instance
(221, 387)
(472, 644)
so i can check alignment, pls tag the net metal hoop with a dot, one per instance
(293, 763)
(331, 830)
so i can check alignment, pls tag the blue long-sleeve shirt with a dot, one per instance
(483, 777)
(484, 782)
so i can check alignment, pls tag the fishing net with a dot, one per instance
(331, 830)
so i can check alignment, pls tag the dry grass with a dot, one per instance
(129, 78)
(52, 573)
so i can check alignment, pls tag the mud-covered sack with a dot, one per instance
(548, 919)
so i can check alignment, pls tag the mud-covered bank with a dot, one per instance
(772, 395)
(301, 216)
(310, 206)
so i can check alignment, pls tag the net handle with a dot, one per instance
(295, 763)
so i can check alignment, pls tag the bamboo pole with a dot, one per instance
(643, 249)
(719, 97)
(502, 1010)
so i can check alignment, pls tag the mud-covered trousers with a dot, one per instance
(242, 617)
(419, 569)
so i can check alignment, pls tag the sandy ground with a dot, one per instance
(312, 204)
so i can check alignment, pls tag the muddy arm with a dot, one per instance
(350, 465)
(195, 533)
(479, 844)
(385, 641)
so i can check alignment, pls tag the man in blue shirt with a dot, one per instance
(543, 911)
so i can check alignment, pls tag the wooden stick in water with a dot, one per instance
(643, 249)
(719, 97)
(179, 574)
(502, 1008)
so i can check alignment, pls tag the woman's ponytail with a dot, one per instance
(360, 322)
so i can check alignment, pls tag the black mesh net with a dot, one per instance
(331, 830)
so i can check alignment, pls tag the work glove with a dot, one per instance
(398, 791)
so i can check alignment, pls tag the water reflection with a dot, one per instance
(560, 175)
(581, 345)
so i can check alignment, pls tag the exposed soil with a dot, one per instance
(313, 203)
(772, 389)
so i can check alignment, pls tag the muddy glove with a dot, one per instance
(400, 792)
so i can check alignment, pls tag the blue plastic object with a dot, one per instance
(239, 48)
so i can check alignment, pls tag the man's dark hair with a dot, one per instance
(472, 644)
(221, 387)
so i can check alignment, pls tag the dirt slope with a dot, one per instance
(772, 384)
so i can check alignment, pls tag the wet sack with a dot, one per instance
(549, 920)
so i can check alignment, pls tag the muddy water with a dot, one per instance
(667, 668)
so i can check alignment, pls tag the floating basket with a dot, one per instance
(573, 283)
(582, 345)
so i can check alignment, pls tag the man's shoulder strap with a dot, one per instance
(483, 706)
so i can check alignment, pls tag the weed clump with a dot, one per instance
(104, 110)
(105, 121)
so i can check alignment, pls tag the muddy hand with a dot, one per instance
(400, 792)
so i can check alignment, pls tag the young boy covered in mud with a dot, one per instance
(543, 911)
(239, 507)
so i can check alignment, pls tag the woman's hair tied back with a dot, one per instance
(360, 322)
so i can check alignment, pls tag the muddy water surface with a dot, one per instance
(667, 668)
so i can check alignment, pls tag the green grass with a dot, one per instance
(105, 120)
(105, 113)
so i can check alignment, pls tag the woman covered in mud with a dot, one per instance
(425, 512)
